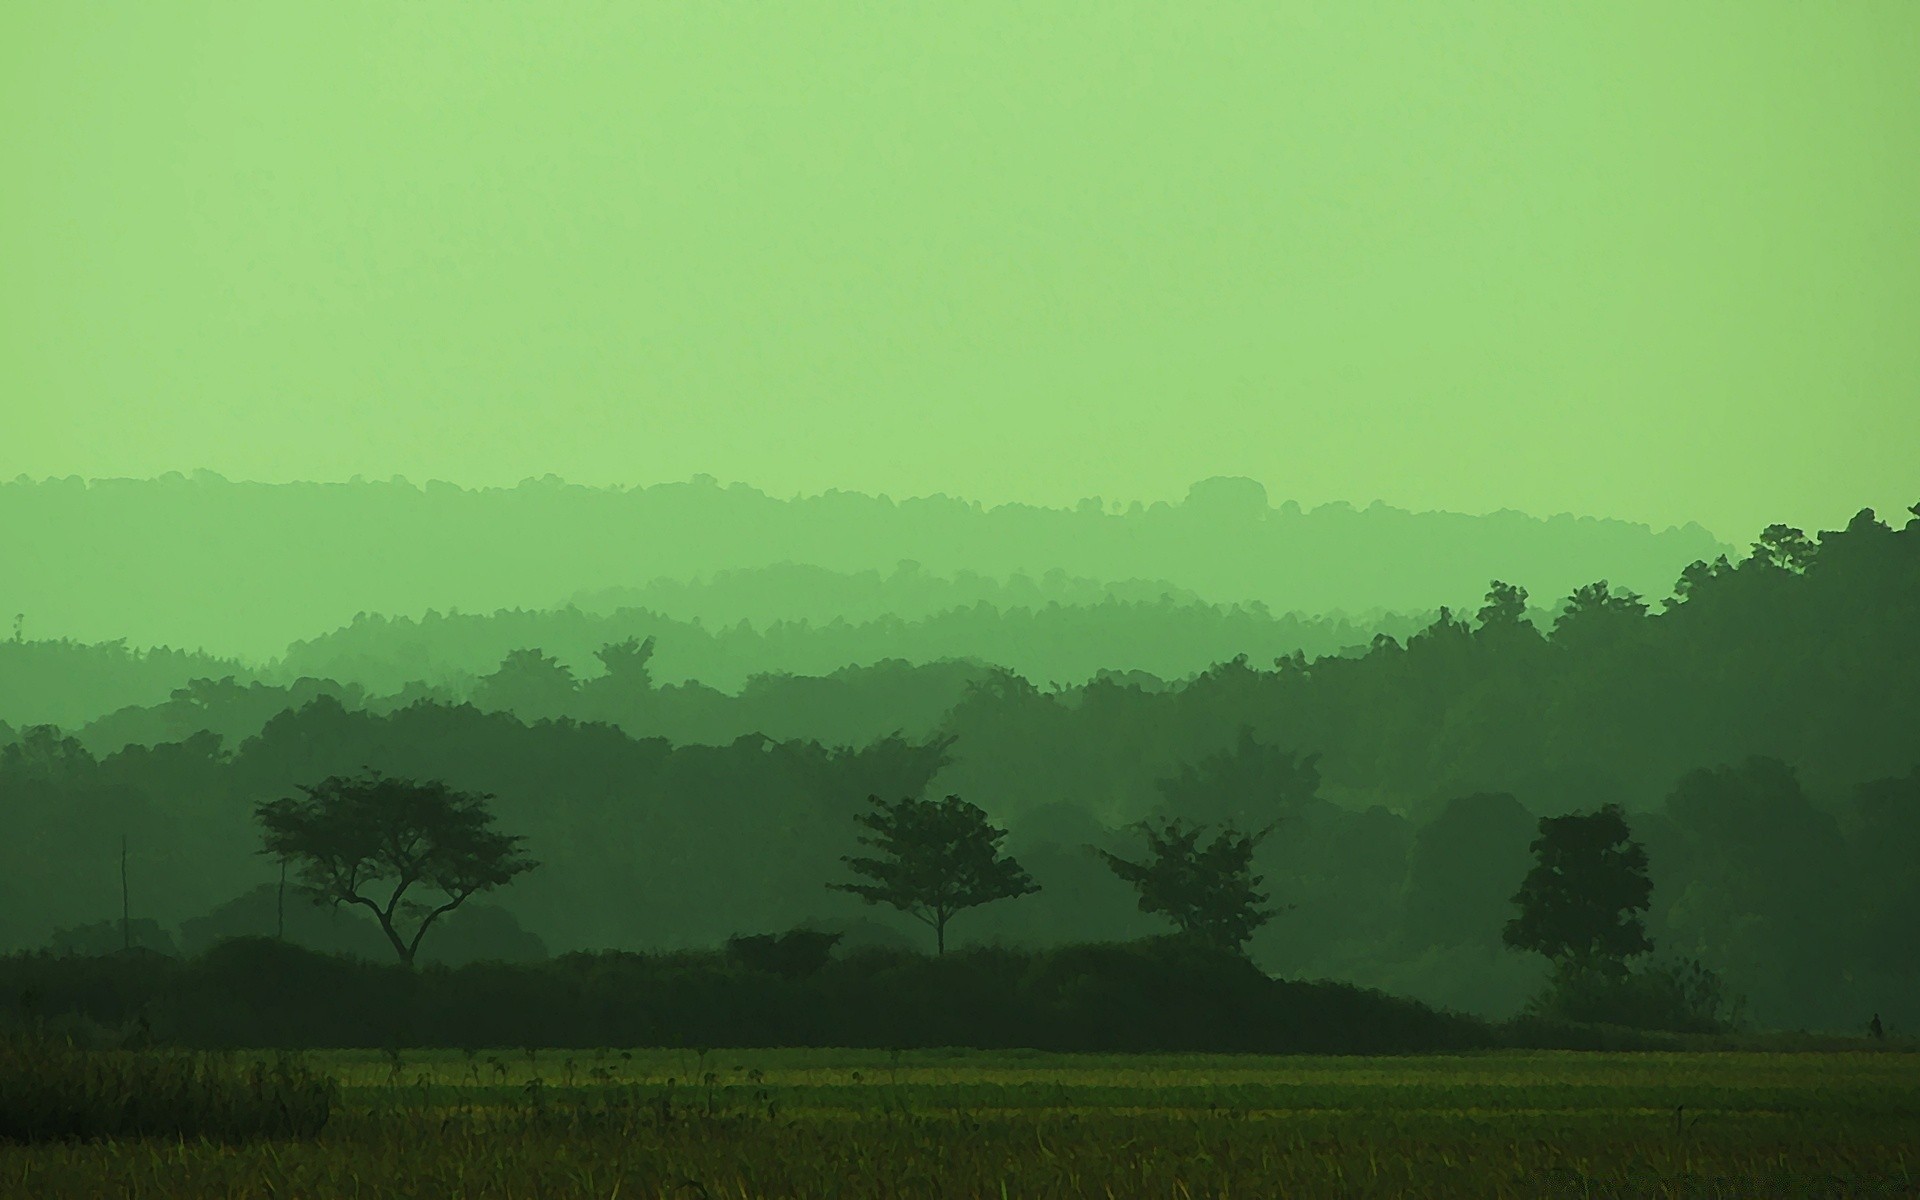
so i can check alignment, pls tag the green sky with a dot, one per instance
(1654, 261)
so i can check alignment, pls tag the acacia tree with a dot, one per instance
(1209, 892)
(357, 838)
(1580, 905)
(940, 857)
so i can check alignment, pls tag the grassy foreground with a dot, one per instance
(824, 1123)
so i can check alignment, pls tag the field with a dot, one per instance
(821, 1123)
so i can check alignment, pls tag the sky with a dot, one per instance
(1650, 261)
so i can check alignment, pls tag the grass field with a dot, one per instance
(823, 1123)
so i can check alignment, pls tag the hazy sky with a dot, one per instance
(1654, 261)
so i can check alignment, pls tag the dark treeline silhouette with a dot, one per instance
(530, 664)
(1154, 994)
(244, 568)
(110, 695)
(1756, 733)
(1056, 642)
(49, 681)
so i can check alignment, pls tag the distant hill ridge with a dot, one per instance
(245, 568)
(788, 591)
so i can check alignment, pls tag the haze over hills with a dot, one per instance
(243, 569)
(1064, 644)
(788, 591)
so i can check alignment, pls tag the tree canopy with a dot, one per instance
(1582, 901)
(355, 838)
(938, 858)
(1208, 891)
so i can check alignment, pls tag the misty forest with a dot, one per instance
(1331, 744)
(983, 601)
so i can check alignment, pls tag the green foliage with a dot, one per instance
(528, 683)
(680, 836)
(1460, 870)
(1785, 548)
(1583, 899)
(69, 683)
(1248, 785)
(353, 835)
(626, 662)
(51, 1090)
(41, 754)
(1504, 615)
(1770, 877)
(1597, 618)
(795, 954)
(107, 937)
(1683, 996)
(1883, 828)
(1167, 993)
(1209, 891)
(938, 858)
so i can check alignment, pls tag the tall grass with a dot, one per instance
(54, 1090)
(837, 1124)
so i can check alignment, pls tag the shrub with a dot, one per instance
(1679, 996)
(254, 991)
(795, 954)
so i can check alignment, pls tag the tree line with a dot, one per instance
(1757, 732)
(369, 840)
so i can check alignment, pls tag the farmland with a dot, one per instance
(845, 1123)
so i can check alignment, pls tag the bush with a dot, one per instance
(52, 1090)
(1163, 994)
(1678, 996)
(795, 954)
(255, 991)
(112, 990)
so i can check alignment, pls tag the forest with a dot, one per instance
(1755, 726)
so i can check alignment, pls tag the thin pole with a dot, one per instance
(126, 929)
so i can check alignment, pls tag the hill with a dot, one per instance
(244, 568)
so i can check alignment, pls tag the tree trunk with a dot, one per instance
(399, 947)
(126, 929)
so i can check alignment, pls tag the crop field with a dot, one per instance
(820, 1123)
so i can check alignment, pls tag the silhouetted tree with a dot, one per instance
(354, 837)
(939, 857)
(1503, 618)
(1598, 617)
(528, 683)
(1209, 892)
(626, 663)
(42, 753)
(1581, 903)
(624, 694)
(794, 954)
(1785, 548)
